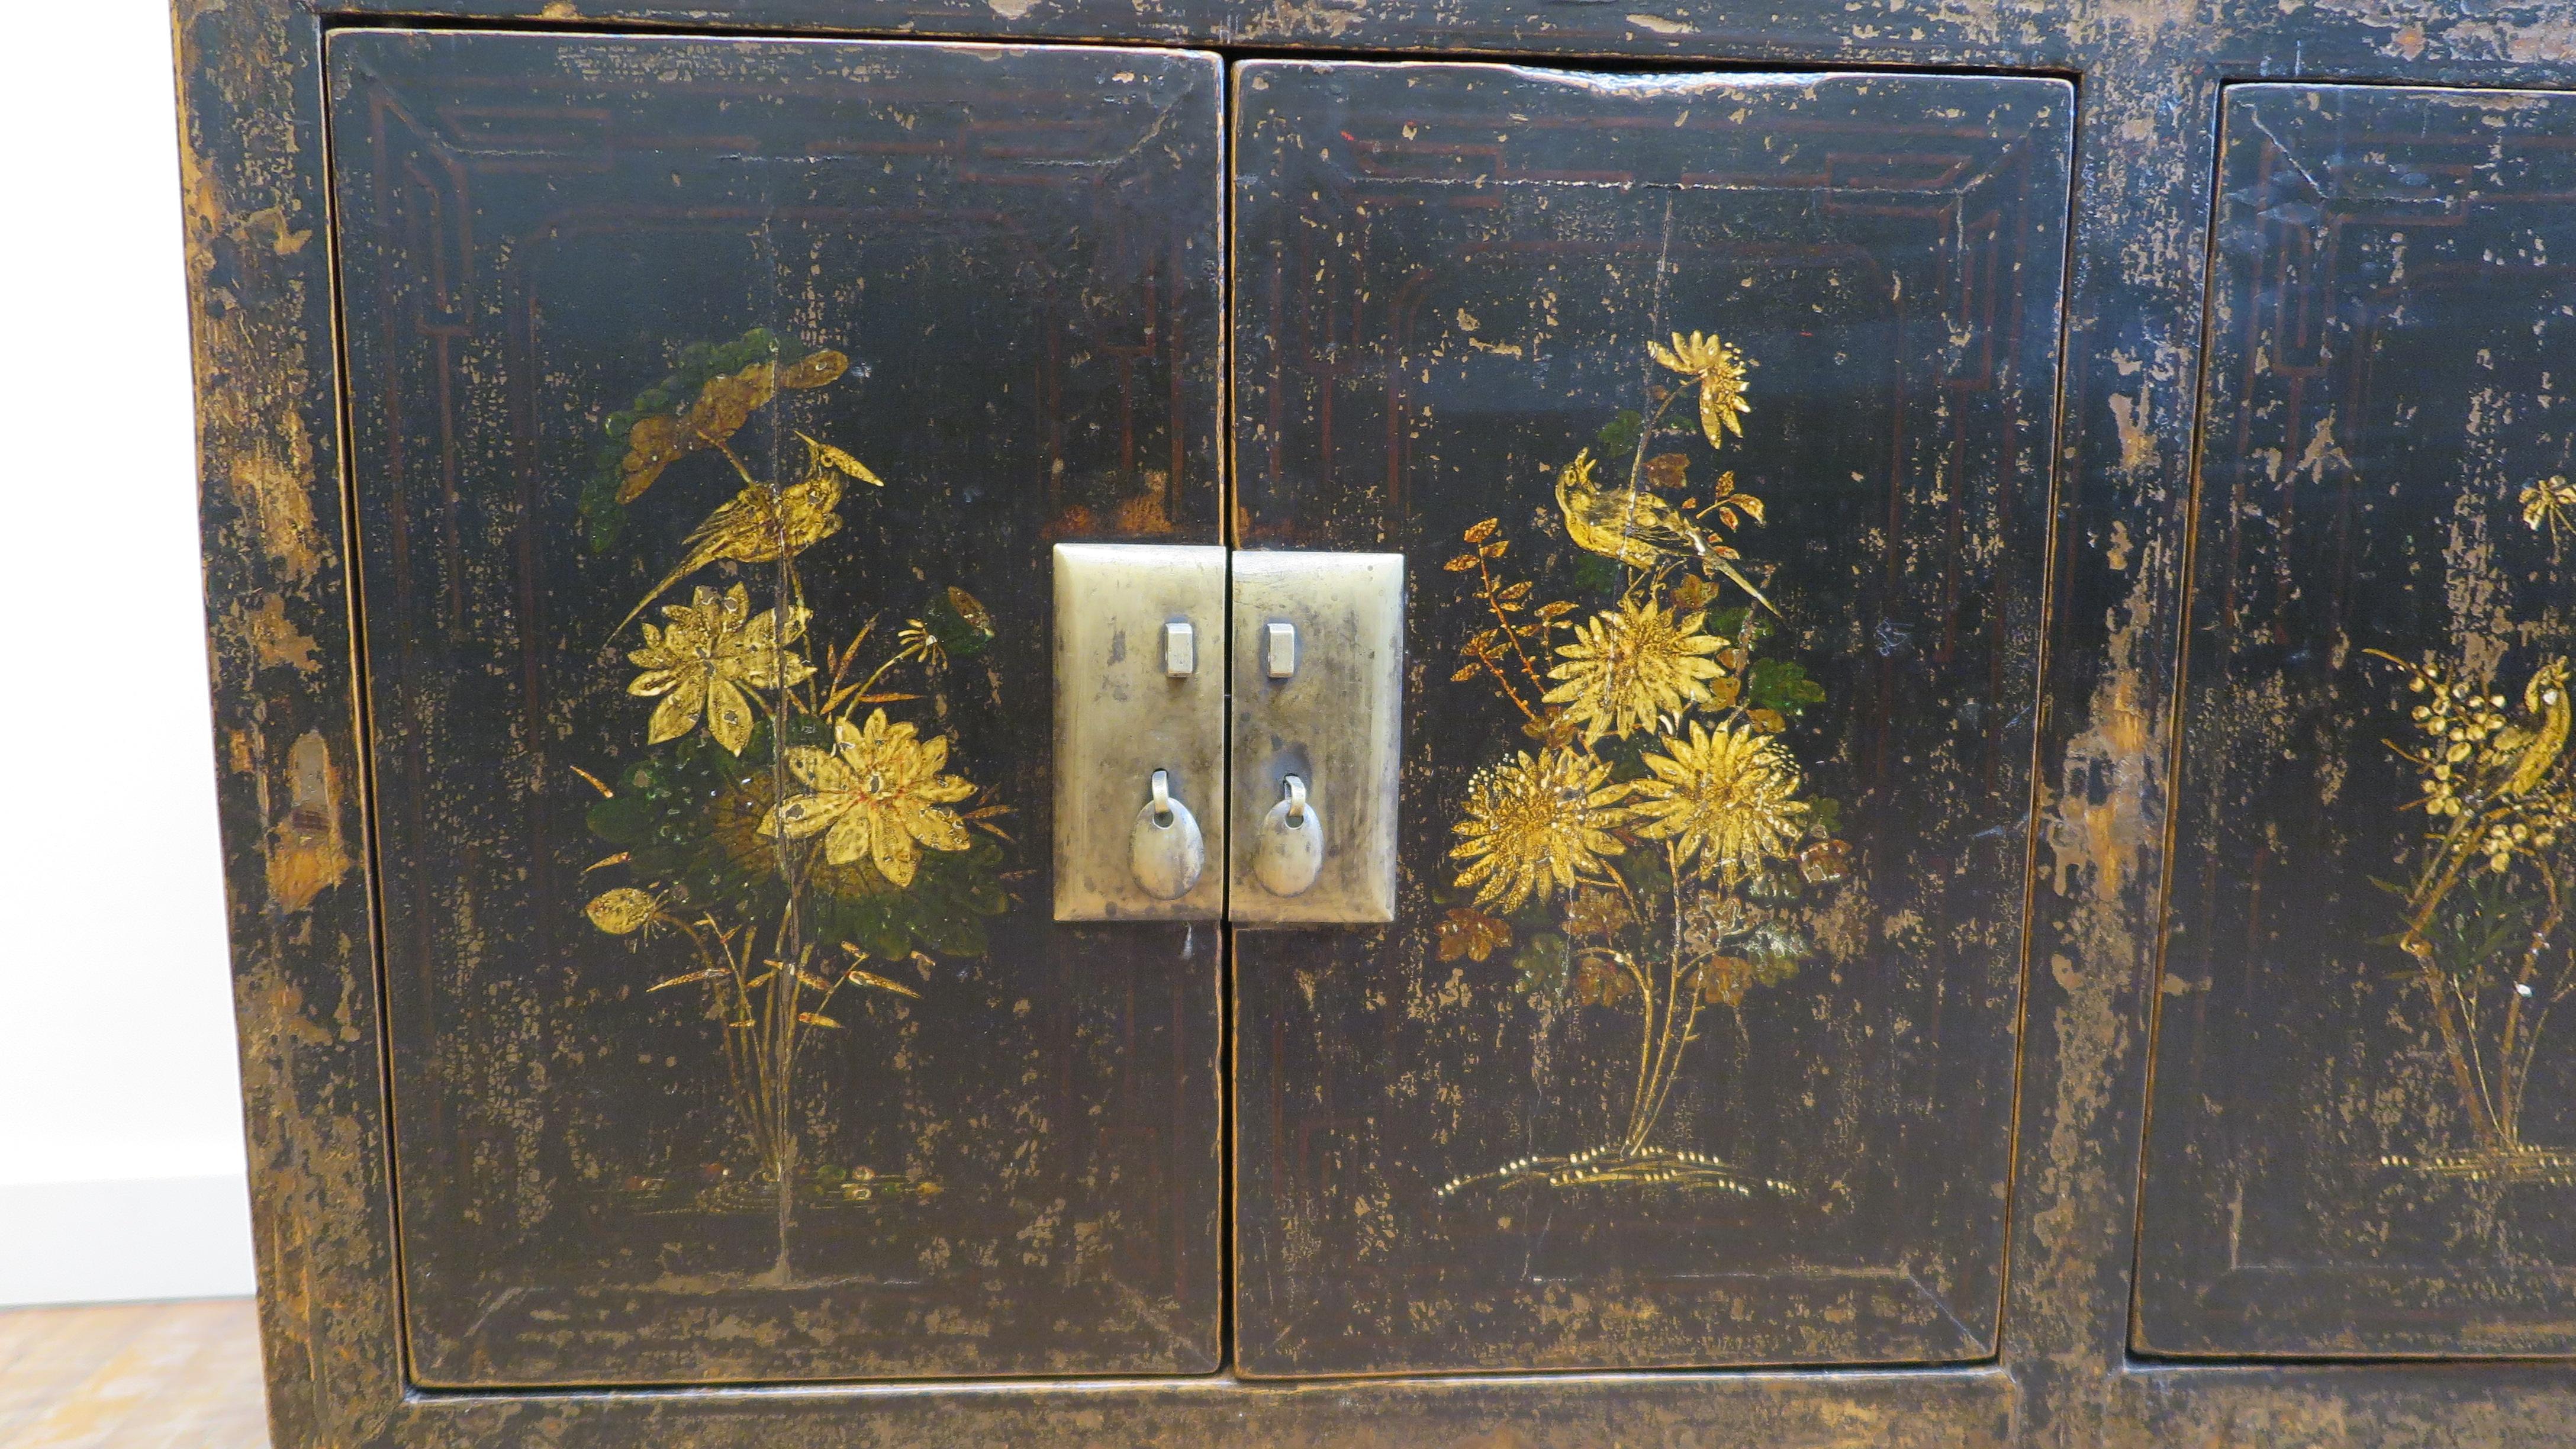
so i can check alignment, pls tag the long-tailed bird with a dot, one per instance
(1635, 526)
(761, 524)
(2535, 741)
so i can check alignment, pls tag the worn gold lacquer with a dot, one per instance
(1653, 852)
(789, 841)
(2483, 915)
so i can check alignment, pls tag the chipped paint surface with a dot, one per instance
(306, 854)
(302, 983)
(595, 1130)
(1456, 1213)
(2344, 1158)
(274, 640)
(2148, 71)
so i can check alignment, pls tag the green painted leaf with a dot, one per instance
(961, 637)
(1783, 685)
(1618, 437)
(1544, 965)
(1825, 816)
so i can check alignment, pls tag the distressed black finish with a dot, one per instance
(1018, 1161)
(2387, 334)
(1446, 278)
(2149, 78)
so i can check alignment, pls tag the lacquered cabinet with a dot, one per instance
(1156, 724)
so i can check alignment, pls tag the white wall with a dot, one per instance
(120, 1128)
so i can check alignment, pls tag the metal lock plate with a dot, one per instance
(1318, 643)
(1134, 695)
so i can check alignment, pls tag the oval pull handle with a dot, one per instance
(1288, 851)
(1165, 848)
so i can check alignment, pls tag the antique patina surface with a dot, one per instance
(2361, 1131)
(284, 566)
(1715, 414)
(709, 404)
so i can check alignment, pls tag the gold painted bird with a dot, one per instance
(2537, 740)
(760, 524)
(1635, 526)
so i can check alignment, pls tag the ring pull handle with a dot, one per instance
(1288, 852)
(1165, 848)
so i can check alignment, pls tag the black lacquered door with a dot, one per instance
(715, 406)
(1714, 417)
(2361, 1142)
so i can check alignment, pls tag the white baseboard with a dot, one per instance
(124, 1240)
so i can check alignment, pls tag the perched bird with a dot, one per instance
(2536, 741)
(761, 524)
(1636, 526)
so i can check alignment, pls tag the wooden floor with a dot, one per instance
(132, 1376)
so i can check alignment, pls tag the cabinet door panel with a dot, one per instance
(1693, 1042)
(2361, 1142)
(715, 406)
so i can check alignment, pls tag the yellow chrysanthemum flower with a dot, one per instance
(1627, 665)
(1727, 799)
(1719, 370)
(1537, 824)
(880, 794)
(701, 661)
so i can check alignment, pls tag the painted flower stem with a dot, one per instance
(2497, 782)
(1650, 743)
(832, 810)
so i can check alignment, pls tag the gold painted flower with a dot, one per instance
(1630, 664)
(725, 403)
(701, 660)
(624, 911)
(1722, 980)
(1827, 862)
(2548, 503)
(1719, 370)
(880, 794)
(1472, 934)
(1537, 824)
(1602, 983)
(1597, 913)
(1727, 798)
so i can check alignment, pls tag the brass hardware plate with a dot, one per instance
(1318, 664)
(1123, 710)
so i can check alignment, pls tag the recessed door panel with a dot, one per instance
(2360, 1140)
(715, 408)
(1713, 415)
